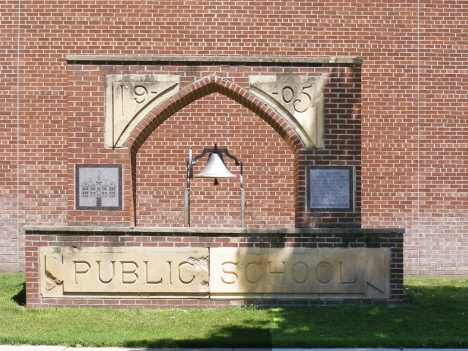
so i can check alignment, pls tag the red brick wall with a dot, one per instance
(414, 83)
(10, 242)
(414, 134)
(214, 109)
(268, 165)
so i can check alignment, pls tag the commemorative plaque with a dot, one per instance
(98, 187)
(330, 188)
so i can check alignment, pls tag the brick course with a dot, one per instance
(413, 102)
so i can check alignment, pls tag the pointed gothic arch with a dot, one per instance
(197, 90)
(205, 86)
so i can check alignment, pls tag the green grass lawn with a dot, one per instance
(435, 315)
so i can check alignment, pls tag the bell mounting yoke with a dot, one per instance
(214, 169)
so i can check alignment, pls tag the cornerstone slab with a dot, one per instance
(298, 272)
(130, 271)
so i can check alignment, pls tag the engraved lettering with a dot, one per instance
(324, 273)
(100, 276)
(331, 187)
(250, 273)
(129, 272)
(129, 98)
(241, 272)
(341, 276)
(288, 94)
(140, 91)
(299, 99)
(81, 267)
(148, 276)
(303, 102)
(271, 272)
(135, 271)
(170, 272)
(300, 272)
(122, 100)
(234, 279)
(186, 272)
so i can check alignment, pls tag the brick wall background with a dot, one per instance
(414, 83)
(268, 169)
(214, 109)
(10, 240)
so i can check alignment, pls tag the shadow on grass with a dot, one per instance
(236, 336)
(20, 297)
(434, 316)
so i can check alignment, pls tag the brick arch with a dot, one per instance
(207, 85)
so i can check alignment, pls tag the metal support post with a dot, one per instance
(187, 191)
(242, 195)
(243, 208)
(187, 207)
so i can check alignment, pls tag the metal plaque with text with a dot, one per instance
(330, 188)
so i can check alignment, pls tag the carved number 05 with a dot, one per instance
(302, 103)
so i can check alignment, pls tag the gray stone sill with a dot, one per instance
(213, 59)
(190, 230)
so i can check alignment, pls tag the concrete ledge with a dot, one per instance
(213, 59)
(189, 230)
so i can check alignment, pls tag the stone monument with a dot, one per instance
(104, 257)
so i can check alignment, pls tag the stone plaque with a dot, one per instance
(114, 272)
(298, 99)
(98, 187)
(330, 188)
(297, 272)
(216, 272)
(129, 98)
